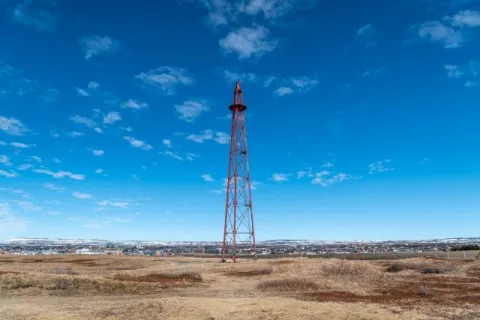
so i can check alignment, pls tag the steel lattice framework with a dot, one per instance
(239, 231)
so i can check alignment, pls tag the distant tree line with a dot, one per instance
(466, 247)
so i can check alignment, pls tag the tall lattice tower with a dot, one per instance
(239, 231)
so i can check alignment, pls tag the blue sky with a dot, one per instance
(362, 120)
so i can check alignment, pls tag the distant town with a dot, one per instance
(39, 246)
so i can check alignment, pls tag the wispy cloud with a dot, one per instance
(9, 222)
(207, 177)
(280, 177)
(469, 72)
(53, 187)
(84, 120)
(451, 31)
(28, 206)
(172, 154)
(8, 174)
(367, 35)
(326, 178)
(12, 126)
(380, 166)
(36, 158)
(191, 110)
(97, 45)
(112, 117)
(36, 14)
(20, 145)
(138, 143)
(97, 153)
(5, 160)
(375, 72)
(82, 92)
(296, 85)
(134, 104)
(209, 134)
(80, 195)
(117, 204)
(60, 174)
(232, 76)
(75, 134)
(248, 42)
(99, 171)
(167, 142)
(165, 79)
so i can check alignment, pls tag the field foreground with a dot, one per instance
(119, 287)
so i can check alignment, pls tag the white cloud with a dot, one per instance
(465, 18)
(80, 195)
(96, 45)
(279, 177)
(92, 85)
(171, 154)
(380, 166)
(208, 134)
(56, 160)
(99, 171)
(54, 134)
(118, 204)
(191, 156)
(36, 158)
(82, 92)
(248, 42)
(375, 72)
(3, 143)
(233, 76)
(12, 126)
(296, 84)
(10, 174)
(53, 213)
(53, 187)
(367, 34)
(471, 84)
(273, 9)
(97, 153)
(5, 160)
(20, 145)
(60, 174)
(326, 178)
(134, 104)
(328, 165)
(190, 110)
(138, 143)
(303, 173)
(98, 130)
(453, 71)
(28, 206)
(29, 13)
(24, 167)
(207, 177)
(167, 142)
(75, 134)
(112, 117)
(84, 120)
(268, 82)
(283, 91)
(166, 79)
(438, 32)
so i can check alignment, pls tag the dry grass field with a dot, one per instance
(120, 287)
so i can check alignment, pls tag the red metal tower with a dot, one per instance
(239, 231)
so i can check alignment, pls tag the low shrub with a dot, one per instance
(250, 272)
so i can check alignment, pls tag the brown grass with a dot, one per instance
(250, 272)
(61, 287)
(288, 285)
(173, 277)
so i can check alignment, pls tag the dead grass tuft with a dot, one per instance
(288, 285)
(67, 271)
(422, 267)
(258, 271)
(183, 276)
(346, 268)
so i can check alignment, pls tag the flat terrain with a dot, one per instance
(125, 287)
